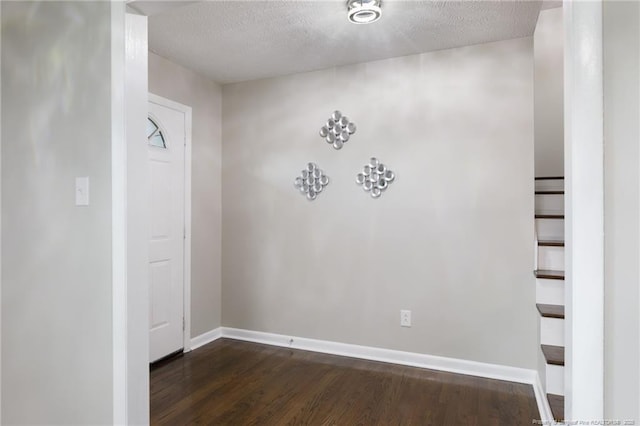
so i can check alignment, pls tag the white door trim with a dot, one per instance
(638, 236)
(118, 215)
(638, 378)
(584, 225)
(0, 229)
(186, 335)
(130, 217)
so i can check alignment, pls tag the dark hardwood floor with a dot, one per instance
(229, 382)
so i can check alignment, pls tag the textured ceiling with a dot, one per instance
(232, 41)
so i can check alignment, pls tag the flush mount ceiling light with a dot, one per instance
(364, 11)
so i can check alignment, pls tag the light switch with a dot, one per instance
(82, 191)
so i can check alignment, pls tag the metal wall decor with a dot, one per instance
(312, 181)
(375, 177)
(337, 130)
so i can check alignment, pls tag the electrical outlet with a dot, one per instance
(405, 318)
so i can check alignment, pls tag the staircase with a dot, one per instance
(549, 218)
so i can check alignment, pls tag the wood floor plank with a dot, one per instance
(556, 402)
(199, 380)
(237, 383)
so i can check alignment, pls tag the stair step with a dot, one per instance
(549, 216)
(549, 275)
(550, 311)
(551, 243)
(556, 402)
(553, 354)
(549, 177)
(550, 192)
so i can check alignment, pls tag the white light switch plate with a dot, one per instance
(82, 191)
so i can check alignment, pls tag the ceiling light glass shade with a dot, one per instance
(364, 11)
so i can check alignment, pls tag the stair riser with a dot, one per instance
(555, 379)
(550, 291)
(550, 229)
(551, 258)
(550, 203)
(550, 185)
(551, 331)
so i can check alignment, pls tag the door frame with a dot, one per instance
(186, 242)
(584, 224)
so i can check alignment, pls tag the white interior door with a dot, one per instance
(166, 147)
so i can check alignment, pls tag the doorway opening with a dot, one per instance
(169, 189)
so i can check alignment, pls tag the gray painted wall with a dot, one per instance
(204, 97)
(548, 48)
(56, 257)
(622, 208)
(451, 240)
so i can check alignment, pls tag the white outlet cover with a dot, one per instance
(405, 318)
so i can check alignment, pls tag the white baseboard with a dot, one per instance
(453, 365)
(543, 402)
(412, 359)
(205, 338)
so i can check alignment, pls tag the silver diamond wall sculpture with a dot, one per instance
(337, 130)
(375, 177)
(312, 181)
